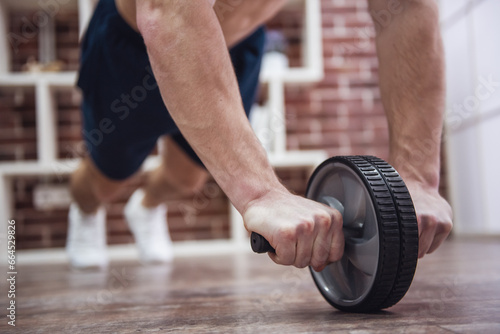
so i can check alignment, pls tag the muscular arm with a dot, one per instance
(189, 57)
(411, 69)
(191, 64)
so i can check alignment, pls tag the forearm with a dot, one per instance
(189, 57)
(239, 18)
(411, 69)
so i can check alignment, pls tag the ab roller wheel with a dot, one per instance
(380, 230)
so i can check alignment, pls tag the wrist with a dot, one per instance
(249, 193)
(417, 166)
(268, 195)
(246, 181)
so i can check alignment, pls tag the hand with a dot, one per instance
(434, 216)
(303, 232)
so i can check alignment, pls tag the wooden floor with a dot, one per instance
(456, 290)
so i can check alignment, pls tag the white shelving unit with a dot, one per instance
(44, 85)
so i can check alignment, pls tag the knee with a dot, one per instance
(106, 193)
(194, 185)
(88, 183)
(187, 183)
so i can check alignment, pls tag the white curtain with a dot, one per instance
(472, 45)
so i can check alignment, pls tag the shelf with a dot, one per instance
(66, 166)
(307, 68)
(297, 158)
(55, 79)
(35, 168)
(311, 69)
(295, 75)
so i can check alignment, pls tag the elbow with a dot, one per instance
(165, 21)
(161, 21)
(150, 16)
(147, 23)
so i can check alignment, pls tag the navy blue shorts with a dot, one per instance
(123, 111)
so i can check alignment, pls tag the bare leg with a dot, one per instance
(86, 243)
(89, 187)
(145, 211)
(177, 174)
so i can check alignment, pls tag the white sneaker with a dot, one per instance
(149, 227)
(86, 242)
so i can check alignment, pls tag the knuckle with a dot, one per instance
(432, 223)
(427, 221)
(337, 217)
(447, 226)
(305, 227)
(337, 220)
(324, 220)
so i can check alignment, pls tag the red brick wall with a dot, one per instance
(342, 114)
(17, 124)
(200, 217)
(26, 44)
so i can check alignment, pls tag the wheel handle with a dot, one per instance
(261, 245)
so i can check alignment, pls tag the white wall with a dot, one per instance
(472, 45)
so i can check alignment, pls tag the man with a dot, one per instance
(185, 46)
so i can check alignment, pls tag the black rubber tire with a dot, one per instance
(398, 232)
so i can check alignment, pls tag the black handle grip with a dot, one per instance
(260, 244)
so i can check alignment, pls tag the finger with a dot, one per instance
(442, 231)
(335, 240)
(285, 257)
(305, 239)
(338, 244)
(285, 250)
(427, 231)
(322, 241)
(274, 257)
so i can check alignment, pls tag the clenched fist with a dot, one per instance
(302, 232)
(434, 216)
